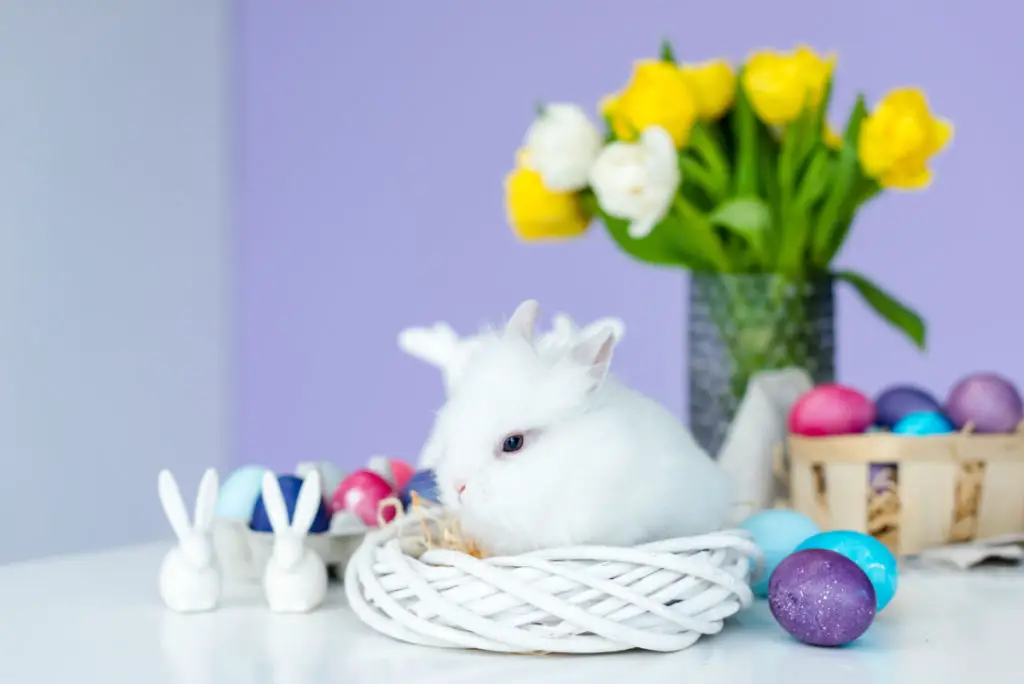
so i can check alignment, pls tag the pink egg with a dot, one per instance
(402, 472)
(360, 494)
(831, 410)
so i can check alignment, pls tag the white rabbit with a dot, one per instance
(190, 580)
(295, 580)
(545, 450)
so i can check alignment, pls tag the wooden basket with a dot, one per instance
(911, 493)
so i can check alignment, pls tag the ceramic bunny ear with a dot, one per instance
(173, 504)
(435, 345)
(273, 501)
(524, 320)
(206, 500)
(595, 352)
(308, 504)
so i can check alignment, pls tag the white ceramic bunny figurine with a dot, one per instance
(537, 450)
(190, 581)
(296, 577)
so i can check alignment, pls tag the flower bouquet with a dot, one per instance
(736, 176)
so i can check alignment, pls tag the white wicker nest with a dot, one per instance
(661, 596)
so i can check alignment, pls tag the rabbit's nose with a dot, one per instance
(460, 487)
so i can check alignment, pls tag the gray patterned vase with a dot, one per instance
(742, 324)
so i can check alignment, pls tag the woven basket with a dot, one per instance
(658, 597)
(912, 493)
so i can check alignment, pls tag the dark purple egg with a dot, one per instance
(898, 401)
(821, 597)
(989, 401)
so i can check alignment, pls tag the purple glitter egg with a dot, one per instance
(821, 597)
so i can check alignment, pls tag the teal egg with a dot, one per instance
(923, 423)
(777, 532)
(870, 555)
(239, 492)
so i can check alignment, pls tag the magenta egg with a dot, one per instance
(831, 410)
(988, 401)
(360, 494)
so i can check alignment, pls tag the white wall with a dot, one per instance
(114, 264)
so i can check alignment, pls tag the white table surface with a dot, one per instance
(96, 619)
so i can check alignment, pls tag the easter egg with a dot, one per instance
(831, 410)
(872, 556)
(777, 532)
(821, 597)
(892, 404)
(402, 472)
(424, 483)
(922, 424)
(988, 401)
(239, 492)
(330, 474)
(360, 494)
(290, 486)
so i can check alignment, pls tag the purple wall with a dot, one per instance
(375, 137)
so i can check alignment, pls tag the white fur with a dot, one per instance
(190, 581)
(296, 577)
(602, 464)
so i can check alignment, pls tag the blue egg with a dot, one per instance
(871, 555)
(238, 493)
(424, 483)
(290, 486)
(923, 423)
(777, 532)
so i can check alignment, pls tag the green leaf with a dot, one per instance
(846, 175)
(897, 314)
(667, 54)
(697, 236)
(749, 218)
(658, 248)
(815, 179)
(693, 172)
(538, 108)
(745, 125)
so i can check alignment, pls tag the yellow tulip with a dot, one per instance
(780, 85)
(713, 84)
(536, 213)
(657, 95)
(831, 138)
(899, 137)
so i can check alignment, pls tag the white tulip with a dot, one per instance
(562, 145)
(637, 181)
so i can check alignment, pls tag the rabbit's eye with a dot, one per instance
(512, 443)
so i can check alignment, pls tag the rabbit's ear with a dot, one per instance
(310, 498)
(524, 320)
(206, 500)
(616, 325)
(434, 345)
(173, 505)
(563, 326)
(594, 352)
(273, 501)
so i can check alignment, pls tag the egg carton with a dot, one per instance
(243, 553)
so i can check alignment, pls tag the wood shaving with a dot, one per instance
(967, 502)
(438, 528)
